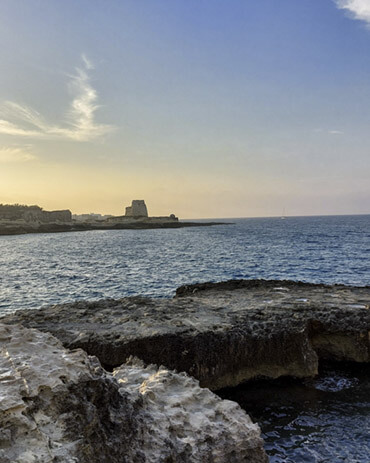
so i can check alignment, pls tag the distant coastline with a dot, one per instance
(21, 229)
(20, 219)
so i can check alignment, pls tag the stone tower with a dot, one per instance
(137, 209)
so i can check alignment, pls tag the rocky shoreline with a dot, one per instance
(220, 334)
(58, 405)
(21, 229)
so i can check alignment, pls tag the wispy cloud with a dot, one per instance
(80, 124)
(88, 64)
(330, 132)
(359, 9)
(12, 154)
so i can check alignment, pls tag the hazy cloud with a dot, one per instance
(359, 9)
(12, 154)
(330, 132)
(20, 120)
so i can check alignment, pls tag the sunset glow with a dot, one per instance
(205, 109)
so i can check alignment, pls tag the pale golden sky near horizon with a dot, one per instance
(203, 109)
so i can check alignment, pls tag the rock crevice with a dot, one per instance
(58, 405)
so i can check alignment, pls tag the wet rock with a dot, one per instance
(61, 406)
(220, 333)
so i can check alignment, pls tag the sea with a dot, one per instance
(327, 420)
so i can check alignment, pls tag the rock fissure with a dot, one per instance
(74, 411)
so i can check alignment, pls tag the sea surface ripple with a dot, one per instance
(44, 269)
(327, 420)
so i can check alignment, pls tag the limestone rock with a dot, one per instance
(58, 406)
(222, 334)
(61, 406)
(187, 423)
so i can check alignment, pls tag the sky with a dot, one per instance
(204, 108)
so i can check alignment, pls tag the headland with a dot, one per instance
(20, 219)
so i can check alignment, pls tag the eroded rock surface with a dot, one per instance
(188, 421)
(222, 334)
(58, 406)
(61, 406)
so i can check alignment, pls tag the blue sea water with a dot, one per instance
(325, 421)
(43, 269)
(321, 420)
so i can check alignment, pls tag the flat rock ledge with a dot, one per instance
(220, 333)
(58, 405)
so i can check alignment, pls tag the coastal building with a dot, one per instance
(33, 214)
(137, 209)
(92, 217)
(138, 212)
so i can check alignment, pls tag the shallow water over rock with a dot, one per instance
(324, 420)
